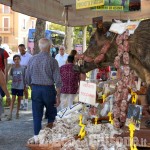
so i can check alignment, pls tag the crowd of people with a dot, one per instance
(53, 82)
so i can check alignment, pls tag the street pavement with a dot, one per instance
(15, 133)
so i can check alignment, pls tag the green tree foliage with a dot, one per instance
(57, 40)
(77, 38)
(54, 26)
(78, 32)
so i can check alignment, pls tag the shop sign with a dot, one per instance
(122, 5)
(87, 92)
(80, 4)
(118, 8)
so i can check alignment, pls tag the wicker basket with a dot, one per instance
(53, 146)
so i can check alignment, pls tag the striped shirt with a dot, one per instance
(42, 69)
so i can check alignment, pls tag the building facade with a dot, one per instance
(14, 27)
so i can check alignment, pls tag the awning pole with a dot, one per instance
(11, 3)
(66, 24)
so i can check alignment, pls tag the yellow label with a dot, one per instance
(104, 97)
(108, 8)
(96, 119)
(88, 3)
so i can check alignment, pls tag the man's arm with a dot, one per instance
(6, 55)
(57, 80)
(4, 87)
(27, 75)
(6, 70)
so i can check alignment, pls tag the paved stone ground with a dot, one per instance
(14, 134)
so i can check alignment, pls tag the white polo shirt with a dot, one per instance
(61, 59)
(25, 59)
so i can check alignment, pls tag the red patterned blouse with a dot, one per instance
(70, 79)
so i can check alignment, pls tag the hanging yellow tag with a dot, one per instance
(135, 148)
(134, 98)
(80, 119)
(82, 130)
(131, 129)
(110, 118)
(96, 119)
(104, 97)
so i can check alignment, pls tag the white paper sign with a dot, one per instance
(118, 28)
(87, 93)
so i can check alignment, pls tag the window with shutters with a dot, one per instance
(33, 24)
(6, 40)
(6, 23)
(6, 9)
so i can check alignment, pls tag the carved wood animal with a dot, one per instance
(139, 50)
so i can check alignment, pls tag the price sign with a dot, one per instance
(87, 92)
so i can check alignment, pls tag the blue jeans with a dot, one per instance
(43, 96)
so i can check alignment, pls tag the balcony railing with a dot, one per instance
(6, 30)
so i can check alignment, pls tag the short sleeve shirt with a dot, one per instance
(2, 66)
(61, 59)
(70, 79)
(18, 77)
(25, 59)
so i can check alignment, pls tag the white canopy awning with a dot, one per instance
(54, 11)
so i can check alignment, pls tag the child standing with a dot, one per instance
(18, 84)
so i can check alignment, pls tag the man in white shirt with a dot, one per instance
(61, 57)
(25, 57)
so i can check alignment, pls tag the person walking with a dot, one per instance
(18, 84)
(3, 63)
(53, 51)
(70, 83)
(3, 86)
(61, 57)
(41, 74)
(25, 57)
(73, 52)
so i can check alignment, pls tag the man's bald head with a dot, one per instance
(45, 44)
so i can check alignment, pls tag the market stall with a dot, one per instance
(108, 115)
(90, 127)
(110, 111)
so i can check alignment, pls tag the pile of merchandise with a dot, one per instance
(69, 128)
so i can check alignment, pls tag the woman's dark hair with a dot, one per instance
(73, 52)
(70, 59)
(16, 56)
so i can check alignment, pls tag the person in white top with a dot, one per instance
(25, 57)
(61, 57)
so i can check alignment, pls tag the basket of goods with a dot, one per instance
(53, 139)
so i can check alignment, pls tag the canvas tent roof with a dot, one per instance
(53, 11)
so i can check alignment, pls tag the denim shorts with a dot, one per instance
(17, 92)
